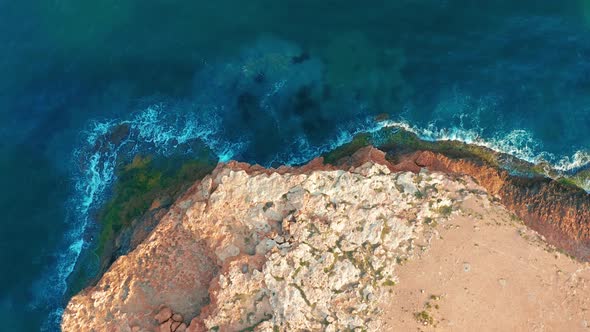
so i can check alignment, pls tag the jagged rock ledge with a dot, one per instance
(549, 202)
(312, 246)
(560, 212)
(247, 247)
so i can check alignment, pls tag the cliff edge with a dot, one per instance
(317, 247)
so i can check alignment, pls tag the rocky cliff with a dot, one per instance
(559, 212)
(308, 248)
(305, 248)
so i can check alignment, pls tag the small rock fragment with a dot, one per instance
(466, 267)
(166, 326)
(174, 326)
(164, 315)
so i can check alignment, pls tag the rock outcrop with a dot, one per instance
(561, 213)
(307, 248)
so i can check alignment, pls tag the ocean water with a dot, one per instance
(262, 81)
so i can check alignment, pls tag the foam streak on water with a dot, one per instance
(152, 130)
(518, 143)
(266, 75)
(160, 132)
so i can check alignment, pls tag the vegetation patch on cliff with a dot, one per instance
(142, 183)
(397, 142)
(348, 149)
(139, 184)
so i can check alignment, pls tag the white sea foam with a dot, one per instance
(166, 131)
(578, 160)
(162, 130)
(152, 128)
(518, 143)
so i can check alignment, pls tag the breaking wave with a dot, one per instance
(151, 130)
(157, 131)
(268, 80)
(519, 143)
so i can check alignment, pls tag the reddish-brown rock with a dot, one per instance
(166, 326)
(225, 225)
(164, 315)
(198, 239)
(558, 212)
(181, 328)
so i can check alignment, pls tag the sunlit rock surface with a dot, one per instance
(317, 247)
(308, 248)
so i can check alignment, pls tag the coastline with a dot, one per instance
(266, 89)
(556, 208)
(497, 182)
(514, 181)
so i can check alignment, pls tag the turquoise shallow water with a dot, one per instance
(264, 81)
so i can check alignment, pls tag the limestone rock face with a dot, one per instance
(310, 248)
(560, 213)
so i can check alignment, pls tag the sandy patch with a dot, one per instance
(486, 271)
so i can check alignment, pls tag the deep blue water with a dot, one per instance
(261, 81)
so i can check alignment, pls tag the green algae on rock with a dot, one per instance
(551, 202)
(397, 142)
(347, 149)
(140, 184)
(144, 186)
(147, 185)
(322, 240)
